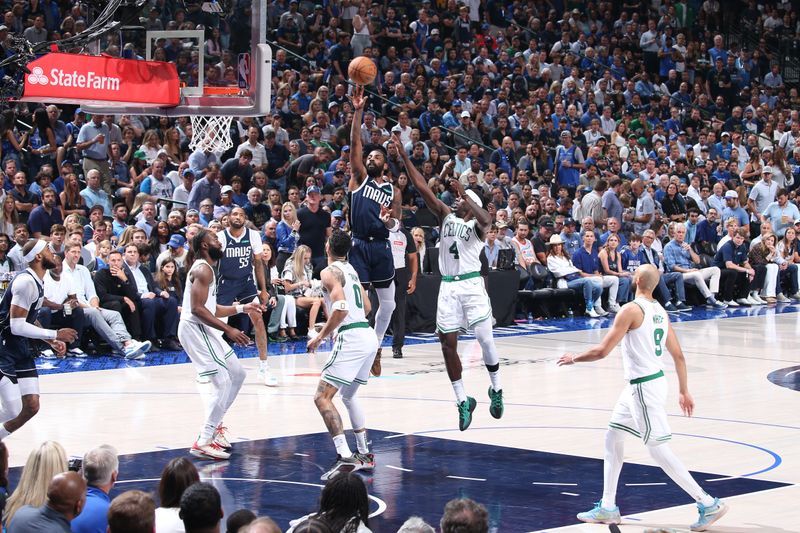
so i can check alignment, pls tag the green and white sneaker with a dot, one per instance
(496, 406)
(601, 515)
(465, 409)
(709, 515)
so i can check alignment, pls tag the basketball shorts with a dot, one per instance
(461, 305)
(205, 347)
(640, 411)
(373, 261)
(243, 291)
(16, 367)
(351, 358)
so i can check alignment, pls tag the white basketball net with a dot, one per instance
(212, 134)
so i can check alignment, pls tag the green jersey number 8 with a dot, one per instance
(658, 336)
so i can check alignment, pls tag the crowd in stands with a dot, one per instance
(55, 494)
(630, 132)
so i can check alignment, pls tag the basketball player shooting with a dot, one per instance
(643, 328)
(374, 209)
(463, 303)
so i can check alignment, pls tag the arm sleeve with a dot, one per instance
(24, 294)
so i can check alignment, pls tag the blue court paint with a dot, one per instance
(786, 377)
(267, 477)
(557, 325)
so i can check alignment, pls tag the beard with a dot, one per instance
(48, 264)
(373, 171)
(215, 253)
(237, 225)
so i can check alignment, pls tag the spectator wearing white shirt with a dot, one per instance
(107, 323)
(259, 160)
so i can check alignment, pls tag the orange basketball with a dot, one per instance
(362, 70)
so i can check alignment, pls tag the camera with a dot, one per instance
(75, 464)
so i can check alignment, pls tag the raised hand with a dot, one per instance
(456, 185)
(358, 97)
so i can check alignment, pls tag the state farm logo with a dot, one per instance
(37, 77)
(61, 78)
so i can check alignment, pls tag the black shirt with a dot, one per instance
(313, 229)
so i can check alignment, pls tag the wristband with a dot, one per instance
(239, 309)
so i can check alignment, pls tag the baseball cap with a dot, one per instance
(465, 114)
(187, 171)
(456, 103)
(731, 194)
(226, 189)
(333, 103)
(569, 221)
(642, 140)
(79, 111)
(346, 148)
(337, 214)
(312, 189)
(192, 212)
(546, 223)
(766, 149)
(176, 241)
(139, 154)
(66, 162)
(766, 170)
(434, 31)
(3, 27)
(566, 133)
(725, 134)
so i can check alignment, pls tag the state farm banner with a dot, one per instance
(81, 79)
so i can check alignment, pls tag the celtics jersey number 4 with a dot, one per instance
(459, 246)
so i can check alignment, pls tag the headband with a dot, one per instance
(40, 244)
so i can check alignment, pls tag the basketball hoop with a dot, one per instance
(211, 133)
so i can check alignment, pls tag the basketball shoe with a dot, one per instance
(220, 438)
(709, 515)
(210, 450)
(496, 406)
(343, 465)
(367, 460)
(465, 409)
(601, 515)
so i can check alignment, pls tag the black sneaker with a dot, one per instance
(343, 465)
(397, 353)
(496, 406)
(465, 409)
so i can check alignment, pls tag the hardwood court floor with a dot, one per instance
(533, 469)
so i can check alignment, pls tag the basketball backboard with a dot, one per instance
(233, 80)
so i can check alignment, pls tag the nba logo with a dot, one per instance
(244, 71)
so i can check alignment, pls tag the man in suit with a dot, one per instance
(117, 292)
(151, 302)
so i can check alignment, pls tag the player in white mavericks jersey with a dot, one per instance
(354, 348)
(644, 329)
(200, 332)
(463, 303)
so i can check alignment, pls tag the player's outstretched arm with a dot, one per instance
(433, 203)
(622, 323)
(201, 278)
(357, 169)
(684, 398)
(333, 281)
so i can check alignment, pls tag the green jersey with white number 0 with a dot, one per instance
(352, 293)
(643, 348)
(459, 247)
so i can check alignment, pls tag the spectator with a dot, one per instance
(200, 508)
(781, 213)
(177, 476)
(560, 265)
(93, 141)
(152, 302)
(298, 284)
(66, 496)
(237, 520)
(43, 463)
(406, 265)
(93, 195)
(262, 525)
(738, 279)
(416, 524)
(679, 257)
(100, 470)
(587, 260)
(207, 187)
(464, 516)
(315, 225)
(45, 215)
(132, 512)
(611, 265)
(25, 201)
(343, 506)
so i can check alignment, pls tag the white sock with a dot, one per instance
(669, 463)
(4, 432)
(262, 364)
(341, 446)
(458, 388)
(361, 441)
(494, 377)
(612, 466)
